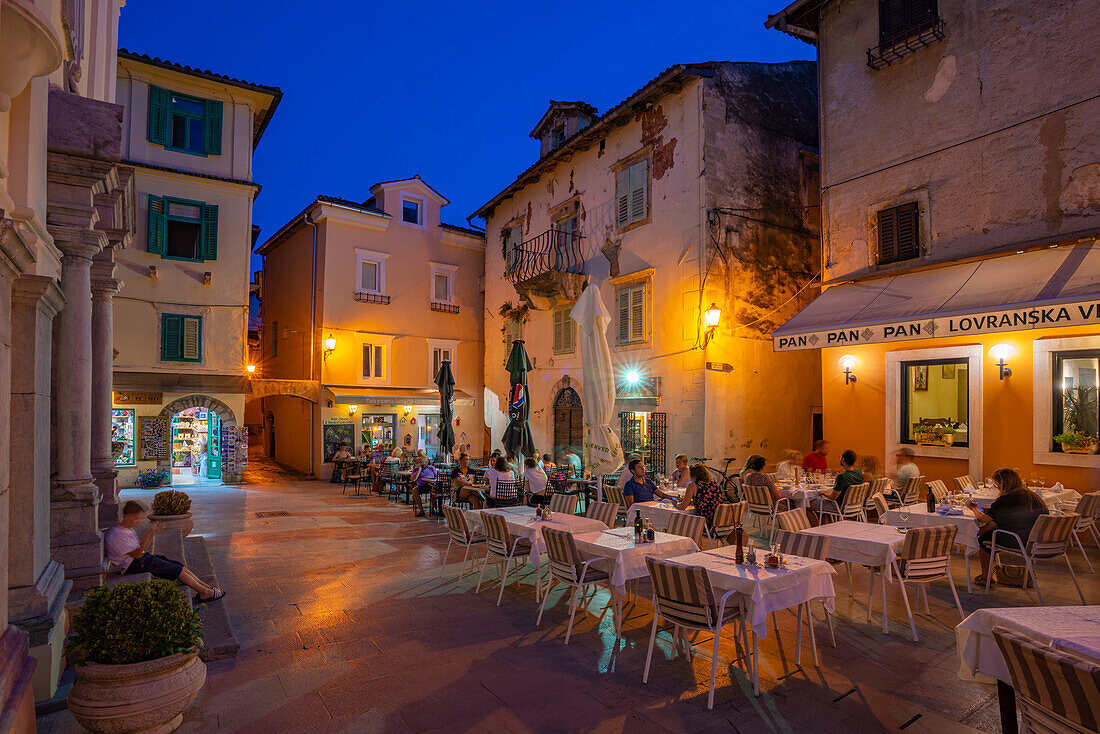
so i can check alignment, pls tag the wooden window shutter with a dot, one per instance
(212, 143)
(171, 330)
(368, 352)
(557, 331)
(568, 331)
(899, 233)
(191, 343)
(624, 315)
(637, 314)
(159, 101)
(622, 191)
(208, 235)
(639, 190)
(158, 225)
(378, 361)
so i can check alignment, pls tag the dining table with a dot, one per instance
(1075, 629)
(1053, 497)
(918, 516)
(658, 512)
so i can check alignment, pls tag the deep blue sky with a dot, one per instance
(374, 91)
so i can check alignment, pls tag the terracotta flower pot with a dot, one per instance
(137, 698)
(183, 522)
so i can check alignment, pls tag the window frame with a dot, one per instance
(169, 217)
(622, 173)
(184, 318)
(645, 286)
(912, 29)
(376, 258)
(563, 312)
(904, 427)
(208, 228)
(435, 345)
(451, 273)
(422, 209)
(1057, 396)
(162, 102)
(377, 365)
(132, 420)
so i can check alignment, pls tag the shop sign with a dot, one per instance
(139, 398)
(644, 388)
(987, 322)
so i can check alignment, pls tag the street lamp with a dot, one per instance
(1000, 353)
(330, 345)
(352, 409)
(847, 363)
(251, 368)
(711, 318)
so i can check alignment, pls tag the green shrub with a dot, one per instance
(134, 623)
(171, 502)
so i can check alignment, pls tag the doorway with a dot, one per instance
(429, 434)
(196, 446)
(568, 423)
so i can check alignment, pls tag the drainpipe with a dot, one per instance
(312, 330)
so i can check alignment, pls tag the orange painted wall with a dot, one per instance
(854, 415)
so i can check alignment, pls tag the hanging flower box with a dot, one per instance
(934, 436)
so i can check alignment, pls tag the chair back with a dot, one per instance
(1057, 691)
(563, 503)
(497, 537)
(687, 526)
(853, 501)
(759, 498)
(774, 476)
(727, 516)
(804, 545)
(794, 520)
(456, 524)
(507, 492)
(1088, 507)
(911, 493)
(878, 500)
(964, 483)
(1050, 535)
(938, 490)
(605, 512)
(442, 484)
(927, 551)
(878, 486)
(612, 493)
(683, 594)
(565, 560)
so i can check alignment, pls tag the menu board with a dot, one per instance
(152, 438)
(338, 431)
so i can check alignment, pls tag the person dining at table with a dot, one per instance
(640, 488)
(499, 470)
(571, 462)
(786, 470)
(364, 453)
(423, 479)
(462, 484)
(702, 493)
(849, 475)
(626, 474)
(537, 482)
(1016, 510)
(342, 454)
(681, 476)
(868, 464)
(754, 476)
(548, 463)
(815, 460)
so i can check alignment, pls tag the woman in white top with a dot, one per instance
(785, 471)
(536, 482)
(499, 470)
(681, 477)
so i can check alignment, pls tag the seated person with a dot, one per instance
(1016, 510)
(497, 472)
(572, 462)
(815, 460)
(342, 454)
(536, 482)
(785, 471)
(702, 493)
(626, 474)
(126, 553)
(847, 477)
(640, 488)
(364, 453)
(906, 470)
(681, 477)
(754, 476)
(548, 463)
(868, 464)
(462, 484)
(423, 479)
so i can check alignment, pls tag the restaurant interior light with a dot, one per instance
(711, 318)
(251, 368)
(1000, 354)
(848, 363)
(633, 377)
(352, 409)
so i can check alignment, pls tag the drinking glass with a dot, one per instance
(1042, 482)
(903, 513)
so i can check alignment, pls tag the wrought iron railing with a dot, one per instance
(364, 297)
(553, 251)
(912, 39)
(444, 307)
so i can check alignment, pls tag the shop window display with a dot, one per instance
(122, 437)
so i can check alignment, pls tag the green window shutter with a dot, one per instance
(158, 225)
(171, 329)
(622, 197)
(639, 190)
(624, 316)
(191, 341)
(208, 232)
(159, 101)
(212, 145)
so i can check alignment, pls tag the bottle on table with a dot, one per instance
(739, 552)
(637, 526)
(931, 499)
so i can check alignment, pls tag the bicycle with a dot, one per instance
(731, 488)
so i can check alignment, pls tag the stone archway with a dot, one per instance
(200, 401)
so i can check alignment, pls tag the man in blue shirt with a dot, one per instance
(640, 488)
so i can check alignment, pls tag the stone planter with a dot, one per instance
(1089, 448)
(183, 523)
(137, 698)
(946, 440)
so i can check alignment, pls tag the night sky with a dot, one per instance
(375, 91)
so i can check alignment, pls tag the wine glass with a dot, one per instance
(903, 513)
(1042, 482)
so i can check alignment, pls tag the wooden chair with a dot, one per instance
(568, 567)
(503, 548)
(351, 473)
(925, 557)
(1049, 539)
(441, 490)
(605, 512)
(563, 503)
(1057, 691)
(687, 526)
(684, 596)
(728, 516)
(807, 546)
(461, 534)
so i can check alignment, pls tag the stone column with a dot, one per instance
(38, 588)
(104, 287)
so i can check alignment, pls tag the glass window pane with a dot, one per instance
(194, 144)
(122, 432)
(410, 211)
(369, 276)
(185, 104)
(183, 239)
(442, 288)
(937, 407)
(1080, 380)
(190, 211)
(179, 132)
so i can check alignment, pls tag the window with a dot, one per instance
(566, 250)
(182, 229)
(371, 269)
(122, 430)
(936, 404)
(443, 283)
(180, 338)
(557, 137)
(513, 331)
(184, 123)
(373, 361)
(439, 354)
(632, 193)
(632, 314)
(513, 240)
(412, 210)
(564, 330)
(899, 233)
(899, 20)
(1075, 383)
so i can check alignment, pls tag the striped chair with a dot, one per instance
(605, 512)
(563, 503)
(501, 547)
(964, 483)
(684, 596)
(727, 516)
(568, 567)
(878, 486)
(613, 495)
(794, 520)
(1088, 507)
(852, 509)
(1057, 691)
(761, 504)
(911, 492)
(878, 502)
(807, 546)
(461, 534)
(508, 494)
(687, 526)
(925, 557)
(938, 490)
(1049, 539)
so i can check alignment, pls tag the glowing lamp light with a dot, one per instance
(1000, 354)
(330, 343)
(848, 363)
(251, 368)
(711, 318)
(407, 408)
(633, 377)
(352, 409)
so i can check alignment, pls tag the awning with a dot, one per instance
(344, 395)
(1033, 290)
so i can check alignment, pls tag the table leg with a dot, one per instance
(885, 613)
(1006, 699)
(755, 665)
(969, 579)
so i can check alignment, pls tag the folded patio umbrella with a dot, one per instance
(517, 438)
(602, 450)
(445, 380)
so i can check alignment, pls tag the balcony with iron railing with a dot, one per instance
(546, 268)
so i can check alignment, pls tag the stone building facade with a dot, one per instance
(698, 189)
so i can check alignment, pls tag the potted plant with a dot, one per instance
(939, 435)
(172, 509)
(135, 647)
(1079, 408)
(151, 478)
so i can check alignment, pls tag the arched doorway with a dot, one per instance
(568, 423)
(195, 436)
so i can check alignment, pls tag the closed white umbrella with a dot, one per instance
(602, 450)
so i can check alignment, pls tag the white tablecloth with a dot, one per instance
(657, 512)
(1066, 627)
(799, 495)
(763, 590)
(628, 558)
(985, 497)
(920, 517)
(865, 543)
(522, 522)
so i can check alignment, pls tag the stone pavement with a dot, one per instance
(346, 625)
